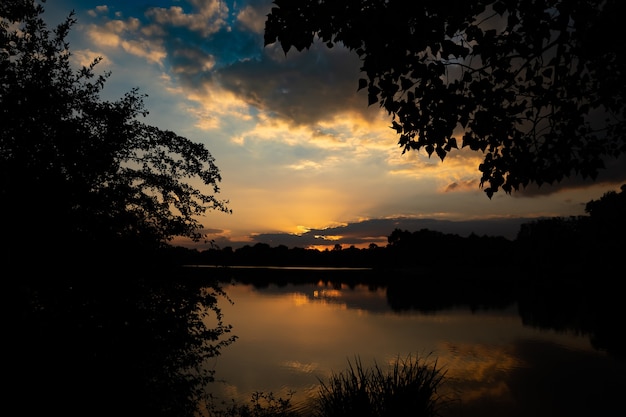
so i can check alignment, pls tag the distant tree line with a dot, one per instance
(419, 248)
(594, 240)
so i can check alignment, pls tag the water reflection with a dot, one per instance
(128, 342)
(292, 335)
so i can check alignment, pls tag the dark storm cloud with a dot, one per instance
(371, 231)
(304, 88)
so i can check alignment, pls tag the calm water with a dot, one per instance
(291, 335)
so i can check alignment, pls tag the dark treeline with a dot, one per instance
(405, 249)
(568, 244)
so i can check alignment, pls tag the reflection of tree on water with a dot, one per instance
(591, 306)
(534, 377)
(132, 346)
(584, 305)
(426, 294)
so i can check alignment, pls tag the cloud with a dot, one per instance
(362, 233)
(209, 17)
(191, 61)
(305, 100)
(464, 185)
(252, 19)
(298, 147)
(124, 34)
(85, 57)
(302, 88)
(98, 10)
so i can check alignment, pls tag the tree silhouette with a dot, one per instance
(588, 245)
(535, 86)
(605, 227)
(80, 172)
(86, 188)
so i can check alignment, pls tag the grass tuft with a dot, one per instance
(407, 388)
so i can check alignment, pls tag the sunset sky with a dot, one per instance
(304, 161)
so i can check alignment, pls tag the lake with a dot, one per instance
(512, 356)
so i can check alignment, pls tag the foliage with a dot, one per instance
(76, 168)
(409, 387)
(85, 189)
(609, 210)
(535, 86)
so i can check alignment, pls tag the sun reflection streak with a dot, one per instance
(321, 294)
(300, 299)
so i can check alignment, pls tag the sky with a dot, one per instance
(304, 161)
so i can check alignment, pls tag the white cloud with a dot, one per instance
(98, 10)
(84, 58)
(252, 19)
(143, 48)
(210, 16)
(120, 34)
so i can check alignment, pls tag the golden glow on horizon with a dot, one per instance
(320, 248)
(302, 229)
(329, 237)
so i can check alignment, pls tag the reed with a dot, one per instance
(408, 387)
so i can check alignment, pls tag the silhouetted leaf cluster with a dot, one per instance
(537, 87)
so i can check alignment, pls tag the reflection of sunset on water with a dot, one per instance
(480, 370)
(306, 368)
(299, 299)
(326, 294)
(291, 335)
